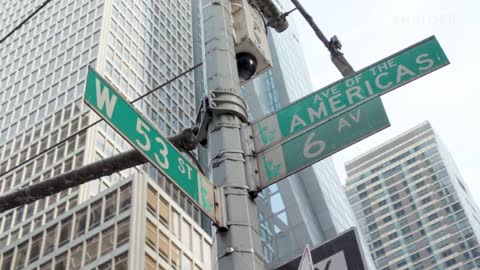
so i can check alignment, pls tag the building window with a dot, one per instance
(380, 252)
(207, 256)
(121, 261)
(186, 234)
(387, 219)
(367, 211)
(80, 222)
(150, 263)
(61, 262)
(92, 249)
(163, 245)
(123, 232)
(450, 262)
(175, 257)
(175, 223)
(65, 231)
(110, 205)
(35, 248)
(49, 240)
(7, 259)
(46, 266)
(125, 194)
(151, 234)
(186, 262)
(197, 245)
(76, 257)
(164, 212)
(401, 263)
(21, 255)
(105, 266)
(107, 240)
(152, 200)
(95, 214)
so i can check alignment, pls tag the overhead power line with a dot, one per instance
(25, 20)
(96, 122)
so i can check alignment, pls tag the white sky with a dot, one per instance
(373, 29)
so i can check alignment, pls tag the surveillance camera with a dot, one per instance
(247, 66)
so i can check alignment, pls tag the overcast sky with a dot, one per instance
(371, 30)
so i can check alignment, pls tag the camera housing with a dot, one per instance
(247, 66)
(250, 38)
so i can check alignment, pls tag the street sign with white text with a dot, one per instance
(315, 144)
(341, 96)
(107, 102)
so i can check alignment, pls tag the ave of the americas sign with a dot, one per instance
(343, 95)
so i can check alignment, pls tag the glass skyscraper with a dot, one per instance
(413, 205)
(136, 45)
(310, 206)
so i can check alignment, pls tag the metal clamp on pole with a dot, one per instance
(251, 165)
(228, 103)
(272, 14)
(220, 209)
(204, 116)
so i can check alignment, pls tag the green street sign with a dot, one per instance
(343, 95)
(107, 102)
(317, 143)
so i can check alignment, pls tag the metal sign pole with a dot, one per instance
(238, 240)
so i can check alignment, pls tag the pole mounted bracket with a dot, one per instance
(334, 44)
(186, 140)
(251, 165)
(220, 209)
(217, 103)
(225, 102)
(204, 116)
(338, 58)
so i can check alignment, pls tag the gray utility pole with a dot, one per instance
(238, 242)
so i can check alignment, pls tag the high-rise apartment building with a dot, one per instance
(136, 45)
(413, 205)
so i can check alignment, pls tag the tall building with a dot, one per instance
(413, 205)
(131, 225)
(310, 206)
(136, 45)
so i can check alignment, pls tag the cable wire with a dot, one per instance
(25, 21)
(96, 122)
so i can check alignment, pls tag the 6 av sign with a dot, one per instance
(303, 150)
(135, 128)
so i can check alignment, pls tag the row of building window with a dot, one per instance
(397, 158)
(417, 184)
(424, 245)
(176, 241)
(101, 210)
(70, 228)
(34, 141)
